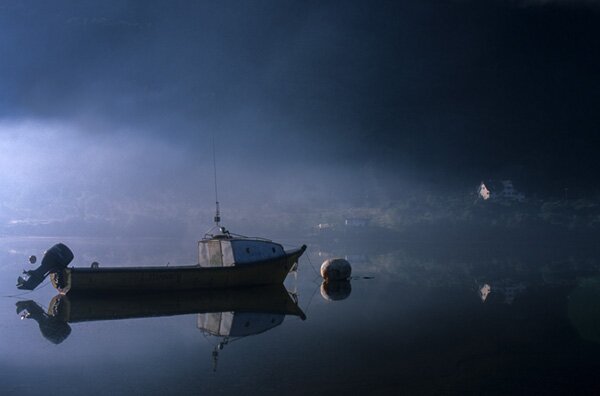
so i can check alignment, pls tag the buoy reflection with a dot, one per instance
(336, 290)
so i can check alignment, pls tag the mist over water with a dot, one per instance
(363, 130)
(418, 308)
(319, 113)
(58, 175)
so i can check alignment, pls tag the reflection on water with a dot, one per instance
(228, 327)
(584, 308)
(336, 290)
(54, 328)
(230, 314)
(417, 327)
(484, 292)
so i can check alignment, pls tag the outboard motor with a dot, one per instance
(55, 259)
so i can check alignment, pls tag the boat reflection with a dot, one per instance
(227, 327)
(266, 307)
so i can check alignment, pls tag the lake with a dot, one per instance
(434, 318)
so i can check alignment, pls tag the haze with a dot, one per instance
(108, 110)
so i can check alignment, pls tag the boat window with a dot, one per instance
(247, 250)
(273, 249)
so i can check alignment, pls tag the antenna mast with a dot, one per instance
(217, 214)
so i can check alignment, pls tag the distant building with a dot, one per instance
(505, 288)
(504, 192)
(483, 192)
(325, 226)
(356, 222)
(509, 192)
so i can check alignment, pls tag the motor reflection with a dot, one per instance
(52, 327)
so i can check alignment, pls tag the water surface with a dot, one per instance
(415, 319)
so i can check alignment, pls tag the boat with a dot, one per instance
(258, 309)
(224, 261)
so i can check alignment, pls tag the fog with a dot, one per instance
(54, 174)
(388, 111)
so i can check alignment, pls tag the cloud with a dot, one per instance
(428, 86)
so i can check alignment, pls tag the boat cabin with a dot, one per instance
(227, 251)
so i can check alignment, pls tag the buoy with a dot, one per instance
(336, 290)
(336, 269)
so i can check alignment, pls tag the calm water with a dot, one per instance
(416, 319)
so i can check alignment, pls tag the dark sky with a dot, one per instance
(439, 90)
